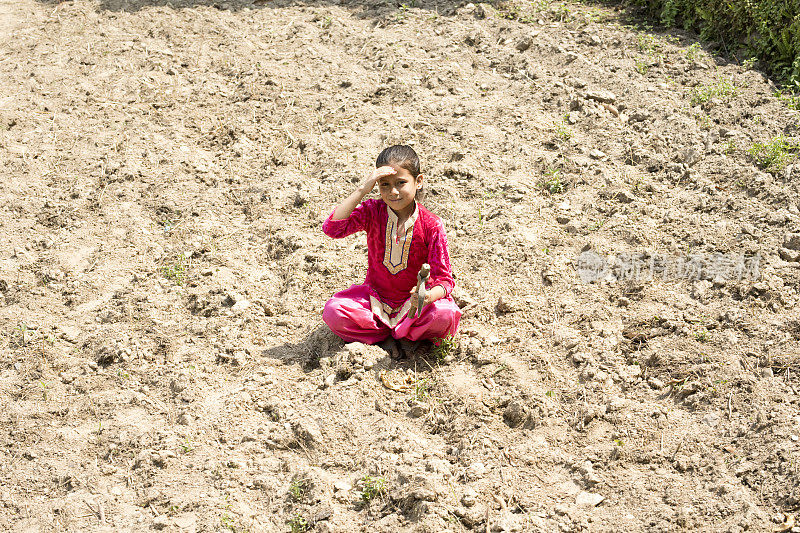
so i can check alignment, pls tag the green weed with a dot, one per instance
(24, 335)
(372, 487)
(482, 206)
(748, 64)
(444, 348)
(177, 271)
(552, 182)
(704, 121)
(512, 11)
(701, 335)
(597, 225)
(724, 89)
(562, 131)
(775, 154)
(298, 524)
(641, 66)
(730, 148)
(421, 392)
(299, 488)
(790, 96)
(647, 44)
(694, 52)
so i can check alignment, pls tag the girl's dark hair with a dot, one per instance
(400, 155)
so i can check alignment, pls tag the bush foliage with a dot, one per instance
(766, 29)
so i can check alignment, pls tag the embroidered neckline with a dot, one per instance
(398, 244)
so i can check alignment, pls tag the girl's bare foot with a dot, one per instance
(390, 345)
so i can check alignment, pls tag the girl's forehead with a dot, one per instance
(401, 172)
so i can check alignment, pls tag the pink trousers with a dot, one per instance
(349, 315)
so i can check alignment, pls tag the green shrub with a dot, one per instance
(766, 29)
(775, 154)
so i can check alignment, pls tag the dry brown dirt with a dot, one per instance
(166, 169)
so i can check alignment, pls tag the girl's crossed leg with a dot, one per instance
(349, 315)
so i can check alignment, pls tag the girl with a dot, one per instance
(401, 236)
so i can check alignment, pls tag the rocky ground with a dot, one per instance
(167, 167)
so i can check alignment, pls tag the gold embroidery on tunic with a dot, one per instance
(395, 255)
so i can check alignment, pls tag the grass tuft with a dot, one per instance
(775, 154)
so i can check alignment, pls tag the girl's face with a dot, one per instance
(398, 190)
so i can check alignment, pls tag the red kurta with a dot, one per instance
(395, 255)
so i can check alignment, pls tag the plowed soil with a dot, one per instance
(163, 364)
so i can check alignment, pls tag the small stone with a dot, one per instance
(240, 305)
(594, 153)
(625, 196)
(177, 385)
(186, 521)
(476, 470)
(231, 298)
(601, 95)
(791, 256)
(524, 43)
(767, 373)
(342, 486)
(611, 109)
(301, 198)
(184, 419)
(70, 333)
(307, 430)
(462, 298)
(161, 521)
(516, 414)
(711, 419)
(791, 241)
(239, 358)
(573, 117)
(588, 499)
(469, 498)
(655, 383)
(689, 157)
(418, 409)
(492, 340)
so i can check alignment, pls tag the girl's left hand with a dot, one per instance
(428, 298)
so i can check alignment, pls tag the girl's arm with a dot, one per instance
(348, 205)
(441, 281)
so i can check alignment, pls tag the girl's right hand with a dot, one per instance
(377, 174)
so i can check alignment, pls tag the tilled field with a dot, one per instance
(163, 364)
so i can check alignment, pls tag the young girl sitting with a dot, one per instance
(401, 237)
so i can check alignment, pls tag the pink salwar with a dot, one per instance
(372, 311)
(349, 315)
